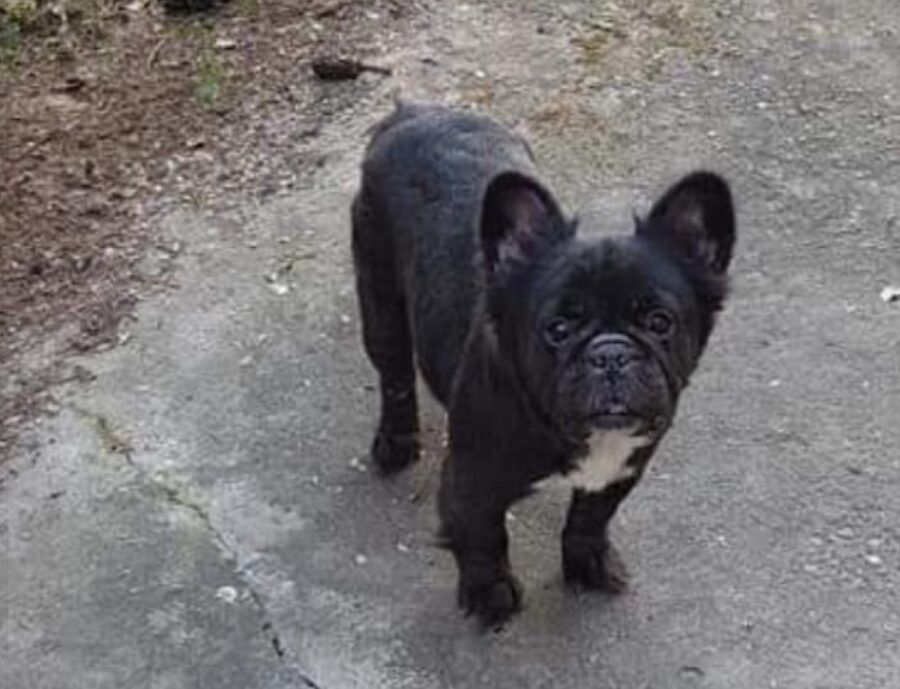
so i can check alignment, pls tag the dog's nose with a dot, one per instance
(609, 353)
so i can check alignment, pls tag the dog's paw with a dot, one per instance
(595, 565)
(492, 598)
(394, 452)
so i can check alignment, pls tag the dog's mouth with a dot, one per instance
(618, 420)
(609, 421)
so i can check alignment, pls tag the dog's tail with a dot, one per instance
(403, 110)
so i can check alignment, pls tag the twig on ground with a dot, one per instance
(343, 68)
(151, 58)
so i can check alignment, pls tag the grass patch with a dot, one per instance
(86, 16)
(209, 73)
(24, 20)
(248, 8)
(23, 13)
(16, 18)
(10, 41)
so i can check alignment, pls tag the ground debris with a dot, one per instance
(112, 117)
(344, 68)
(186, 6)
(890, 294)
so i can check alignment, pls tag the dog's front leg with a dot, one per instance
(473, 528)
(588, 556)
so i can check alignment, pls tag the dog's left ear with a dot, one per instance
(696, 218)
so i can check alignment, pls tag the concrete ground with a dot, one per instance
(202, 513)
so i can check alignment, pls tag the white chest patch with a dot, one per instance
(606, 461)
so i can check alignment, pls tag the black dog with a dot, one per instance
(553, 355)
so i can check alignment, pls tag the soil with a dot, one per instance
(105, 111)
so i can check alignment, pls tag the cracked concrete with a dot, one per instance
(220, 527)
(122, 581)
(177, 496)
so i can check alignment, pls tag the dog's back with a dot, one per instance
(416, 216)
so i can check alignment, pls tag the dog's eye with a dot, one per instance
(558, 330)
(660, 322)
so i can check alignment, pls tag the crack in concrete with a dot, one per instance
(115, 443)
(176, 495)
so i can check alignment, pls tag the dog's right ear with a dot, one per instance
(519, 218)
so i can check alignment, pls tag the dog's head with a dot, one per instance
(604, 334)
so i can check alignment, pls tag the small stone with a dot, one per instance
(890, 294)
(227, 594)
(691, 671)
(81, 263)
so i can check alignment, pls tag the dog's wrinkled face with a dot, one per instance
(608, 335)
(604, 335)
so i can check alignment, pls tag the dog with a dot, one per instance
(552, 354)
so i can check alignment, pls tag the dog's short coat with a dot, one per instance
(553, 355)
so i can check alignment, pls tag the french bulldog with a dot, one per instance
(553, 354)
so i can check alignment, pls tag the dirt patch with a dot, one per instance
(108, 105)
(636, 38)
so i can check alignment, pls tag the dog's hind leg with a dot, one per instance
(387, 339)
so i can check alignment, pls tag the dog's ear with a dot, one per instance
(696, 218)
(519, 218)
